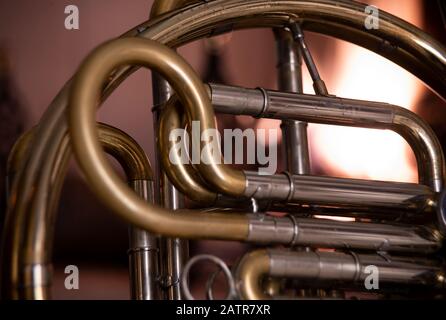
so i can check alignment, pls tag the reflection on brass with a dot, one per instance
(27, 272)
(182, 175)
(397, 219)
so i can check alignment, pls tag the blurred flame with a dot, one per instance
(362, 74)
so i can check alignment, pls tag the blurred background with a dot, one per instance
(38, 55)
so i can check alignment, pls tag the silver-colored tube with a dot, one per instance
(295, 140)
(349, 268)
(339, 266)
(346, 193)
(311, 232)
(294, 133)
(340, 111)
(143, 252)
(318, 83)
(173, 251)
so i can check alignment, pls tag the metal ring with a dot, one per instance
(291, 192)
(265, 106)
(185, 275)
(295, 230)
(210, 284)
(357, 266)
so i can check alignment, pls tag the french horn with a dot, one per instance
(397, 227)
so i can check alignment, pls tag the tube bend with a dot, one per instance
(106, 183)
(426, 147)
(27, 247)
(127, 152)
(347, 267)
(253, 266)
(181, 173)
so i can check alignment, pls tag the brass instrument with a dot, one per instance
(398, 227)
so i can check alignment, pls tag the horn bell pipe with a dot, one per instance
(263, 103)
(333, 266)
(27, 247)
(143, 251)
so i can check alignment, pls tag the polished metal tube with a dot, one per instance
(181, 174)
(173, 251)
(284, 191)
(294, 133)
(295, 144)
(339, 111)
(341, 192)
(312, 232)
(339, 266)
(349, 268)
(318, 83)
(143, 253)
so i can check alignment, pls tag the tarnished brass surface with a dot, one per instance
(250, 271)
(27, 247)
(182, 175)
(107, 185)
(320, 266)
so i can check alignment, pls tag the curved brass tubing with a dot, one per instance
(107, 185)
(182, 175)
(263, 103)
(403, 44)
(126, 151)
(253, 266)
(160, 7)
(27, 243)
(330, 110)
(16, 157)
(428, 153)
(425, 145)
(321, 266)
(395, 39)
